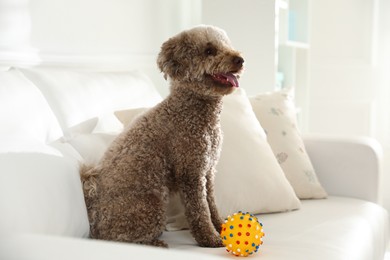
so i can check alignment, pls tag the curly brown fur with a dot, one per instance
(174, 147)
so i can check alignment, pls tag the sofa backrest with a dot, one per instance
(24, 111)
(83, 100)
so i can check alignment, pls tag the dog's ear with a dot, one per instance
(166, 59)
(173, 56)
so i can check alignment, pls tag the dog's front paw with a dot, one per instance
(218, 225)
(214, 241)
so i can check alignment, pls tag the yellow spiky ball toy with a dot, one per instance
(242, 234)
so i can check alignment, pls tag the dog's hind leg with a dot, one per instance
(152, 223)
(134, 218)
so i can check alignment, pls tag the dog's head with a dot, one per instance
(203, 59)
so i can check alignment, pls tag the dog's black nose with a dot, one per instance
(238, 60)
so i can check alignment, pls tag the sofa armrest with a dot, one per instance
(346, 166)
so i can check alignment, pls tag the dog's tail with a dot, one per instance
(88, 176)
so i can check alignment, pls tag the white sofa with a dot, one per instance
(50, 120)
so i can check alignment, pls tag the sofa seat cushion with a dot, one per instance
(43, 247)
(333, 228)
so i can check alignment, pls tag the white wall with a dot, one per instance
(342, 93)
(250, 26)
(382, 81)
(127, 34)
(111, 34)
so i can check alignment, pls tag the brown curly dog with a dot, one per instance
(174, 147)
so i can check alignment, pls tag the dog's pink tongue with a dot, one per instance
(232, 79)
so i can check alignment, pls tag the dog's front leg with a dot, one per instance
(194, 196)
(215, 217)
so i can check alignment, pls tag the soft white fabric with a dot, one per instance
(336, 228)
(24, 111)
(85, 127)
(40, 189)
(76, 97)
(277, 115)
(91, 146)
(128, 115)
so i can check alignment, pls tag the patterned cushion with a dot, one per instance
(277, 115)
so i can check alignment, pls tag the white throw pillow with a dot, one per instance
(91, 147)
(127, 116)
(277, 115)
(248, 176)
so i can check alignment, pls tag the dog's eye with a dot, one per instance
(211, 51)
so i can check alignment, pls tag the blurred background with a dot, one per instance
(335, 53)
